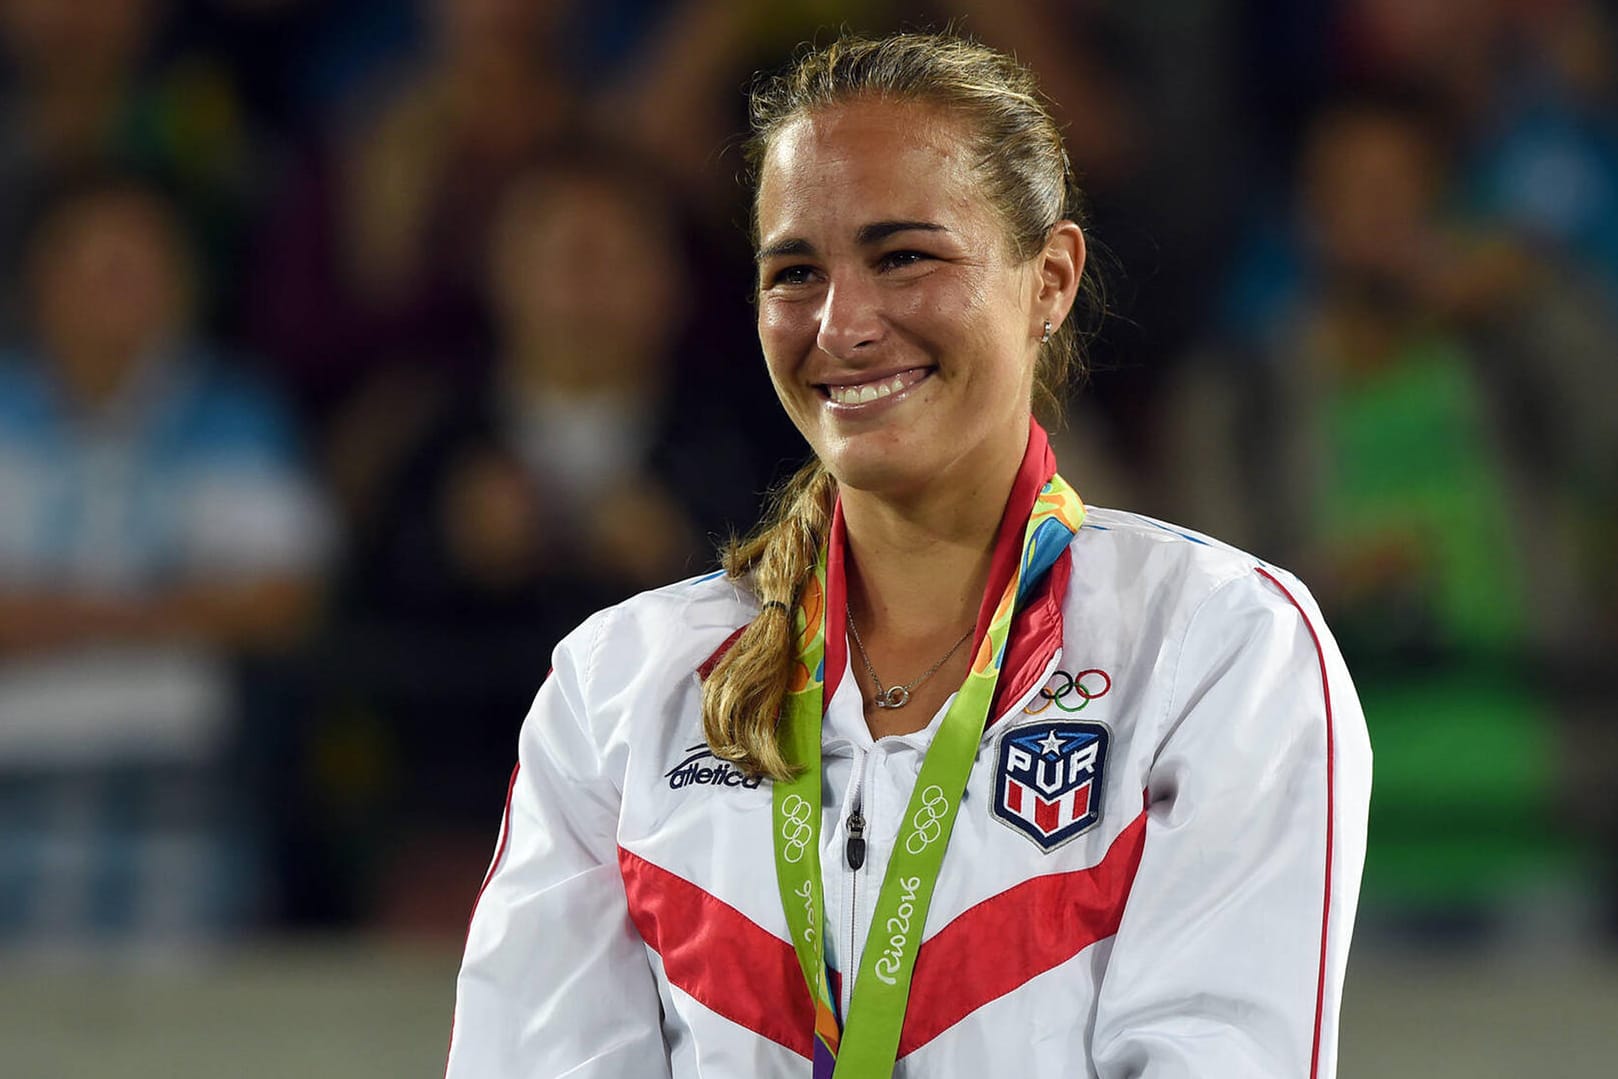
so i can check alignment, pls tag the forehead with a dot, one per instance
(834, 170)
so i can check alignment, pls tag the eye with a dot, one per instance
(899, 260)
(789, 276)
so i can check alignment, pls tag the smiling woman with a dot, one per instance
(985, 864)
(925, 305)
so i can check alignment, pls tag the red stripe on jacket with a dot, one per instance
(719, 956)
(1005, 941)
(732, 966)
(1331, 753)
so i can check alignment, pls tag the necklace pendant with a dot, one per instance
(893, 697)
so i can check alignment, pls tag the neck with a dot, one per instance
(917, 566)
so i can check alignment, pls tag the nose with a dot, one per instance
(850, 318)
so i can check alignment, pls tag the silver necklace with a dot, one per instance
(897, 696)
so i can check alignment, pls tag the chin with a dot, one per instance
(887, 469)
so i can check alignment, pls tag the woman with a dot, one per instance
(1138, 747)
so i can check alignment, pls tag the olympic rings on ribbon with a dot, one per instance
(925, 821)
(1100, 685)
(795, 830)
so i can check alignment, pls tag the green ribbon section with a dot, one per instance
(867, 1044)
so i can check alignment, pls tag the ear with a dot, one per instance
(1058, 268)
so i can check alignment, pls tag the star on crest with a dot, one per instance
(1051, 744)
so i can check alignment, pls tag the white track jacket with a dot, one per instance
(1178, 907)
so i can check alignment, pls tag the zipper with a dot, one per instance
(855, 826)
(854, 848)
(854, 859)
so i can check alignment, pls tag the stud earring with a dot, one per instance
(1046, 339)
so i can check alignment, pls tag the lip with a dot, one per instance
(912, 377)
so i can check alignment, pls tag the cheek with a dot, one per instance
(1004, 316)
(783, 330)
(781, 321)
(776, 356)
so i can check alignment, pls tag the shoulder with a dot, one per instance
(660, 637)
(1213, 626)
(1153, 562)
(1180, 592)
(625, 683)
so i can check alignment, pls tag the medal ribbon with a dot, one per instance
(867, 1044)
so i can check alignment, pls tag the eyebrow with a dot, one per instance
(875, 232)
(784, 247)
(881, 230)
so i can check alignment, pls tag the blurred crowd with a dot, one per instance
(352, 352)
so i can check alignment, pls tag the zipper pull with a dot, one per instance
(855, 848)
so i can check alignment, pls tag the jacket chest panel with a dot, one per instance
(692, 813)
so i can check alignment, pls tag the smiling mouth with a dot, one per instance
(862, 393)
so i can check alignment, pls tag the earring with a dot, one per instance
(1045, 340)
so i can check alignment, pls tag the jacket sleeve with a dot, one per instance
(1229, 960)
(555, 980)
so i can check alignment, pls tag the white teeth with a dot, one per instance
(870, 391)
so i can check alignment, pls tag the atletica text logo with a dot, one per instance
(702, 769)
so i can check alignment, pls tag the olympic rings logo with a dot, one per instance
(926, 824)
(795, 830)
(1086, 686)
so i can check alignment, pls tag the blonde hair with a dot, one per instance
(1025, 176)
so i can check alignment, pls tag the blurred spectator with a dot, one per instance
(587, 282)
(1547, 164)
(1375, 429)
(156, 523)
(87, 85)
(372, 257)
(594, 465)
(1530, 90)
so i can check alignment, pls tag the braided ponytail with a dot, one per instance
(741, 700)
